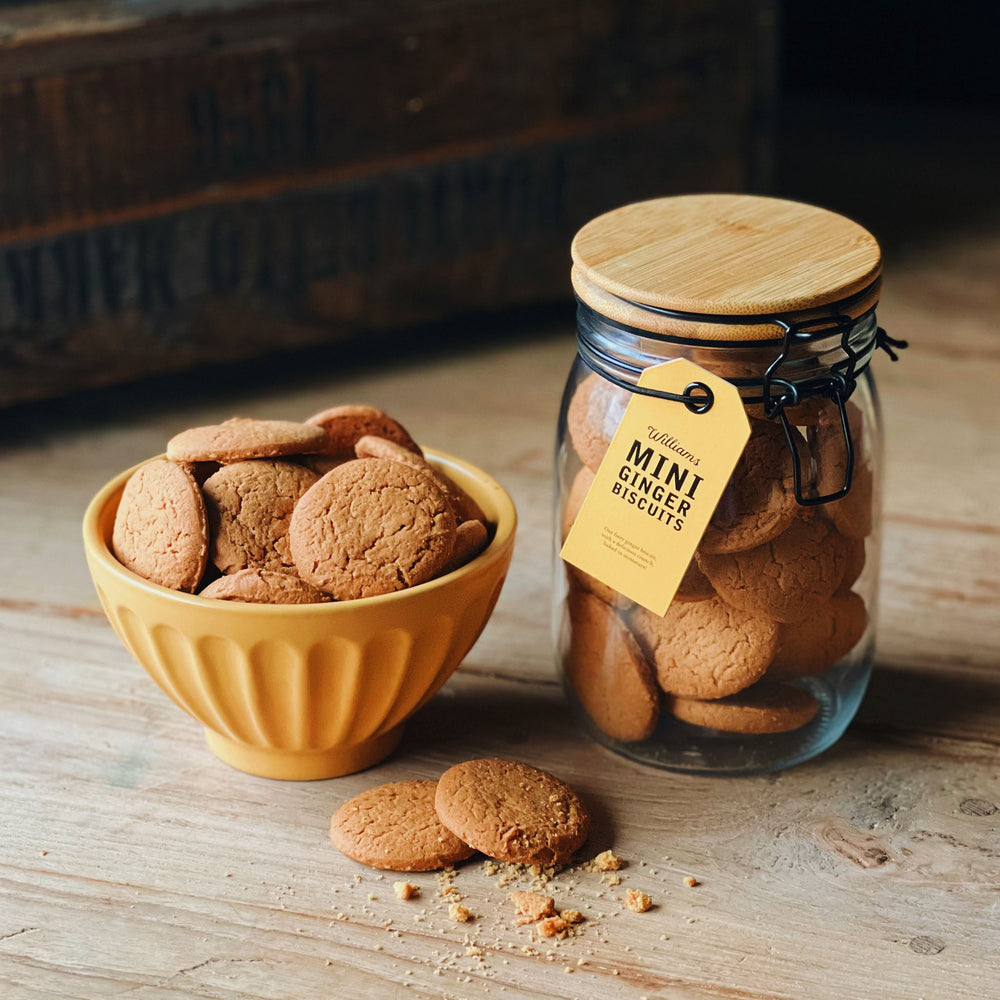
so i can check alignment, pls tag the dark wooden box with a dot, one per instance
(213, 181)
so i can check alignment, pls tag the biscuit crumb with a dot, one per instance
(329, 962)
(372, 897)
(472, 950)
(532, 907)
(491, 867)
(637, 900)
(611, 879)
(460, 913)
(606, 861)
(358, 878)
(552, 927)
(528, 950)
(405, 890)
(341, 916)
(569, 968)
(572, 916)
(690, 881)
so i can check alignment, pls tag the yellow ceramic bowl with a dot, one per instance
(308, 690)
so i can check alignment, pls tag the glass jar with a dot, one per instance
(764, 654)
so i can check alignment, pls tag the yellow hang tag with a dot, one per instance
(658, 486)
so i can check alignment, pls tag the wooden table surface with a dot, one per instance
(133, 863)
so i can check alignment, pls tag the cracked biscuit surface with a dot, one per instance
(369, 527)
(783, 579)
(249, 508)
(705, 649)
(815, 644)
(161, 529)
(607, 670)
(396, 827)
(759, 500)
(344, 425)
(244, 437)
(512, 811)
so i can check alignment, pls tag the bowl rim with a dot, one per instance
(98, 549)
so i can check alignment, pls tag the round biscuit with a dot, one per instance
(812, 646)
(764, 708)
(705, 649)
(344, 425)
(161, 528)
(785, 578)
(759, 500)
(369, 527)
(242, 437)
(608, 672)
(512, 811)
(396, 827)
(249, 506)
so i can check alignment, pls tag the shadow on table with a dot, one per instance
(913, 704)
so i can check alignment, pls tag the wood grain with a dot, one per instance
(132, 863)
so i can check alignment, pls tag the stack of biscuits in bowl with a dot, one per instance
(767, 599)
(338, 507)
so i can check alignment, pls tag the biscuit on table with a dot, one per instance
(764, 708)
(608, 671)
(512, 811)
(705, 649)
(161, 528)
(759, 500)
(595, 411)
(783, 579)
(396, 827)
(249, 507)
(241, 438)
(344, 425)
(263, 586)
(369, 527)
(814, 645)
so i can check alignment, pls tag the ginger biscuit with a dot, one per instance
(371, 527)
(815, 644)
(764, 708)
(694, 585)
(608, 672)
(759, 500)
(471, 537)
(595, 411)
(241, 438)
(577, 493)
(344, 425)
(249, 508)
(262, 586)
(578, 580)
(706, 649)
(465, 508)
(396, 827)
(783, 579)
(512, 811)
(161, 529)
(855, 564)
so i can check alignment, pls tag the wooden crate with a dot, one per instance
(212, 181)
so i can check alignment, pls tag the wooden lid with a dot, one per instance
(722, 255)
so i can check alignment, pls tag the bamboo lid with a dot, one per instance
(723, 255)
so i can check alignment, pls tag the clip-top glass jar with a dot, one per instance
(764, 654)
